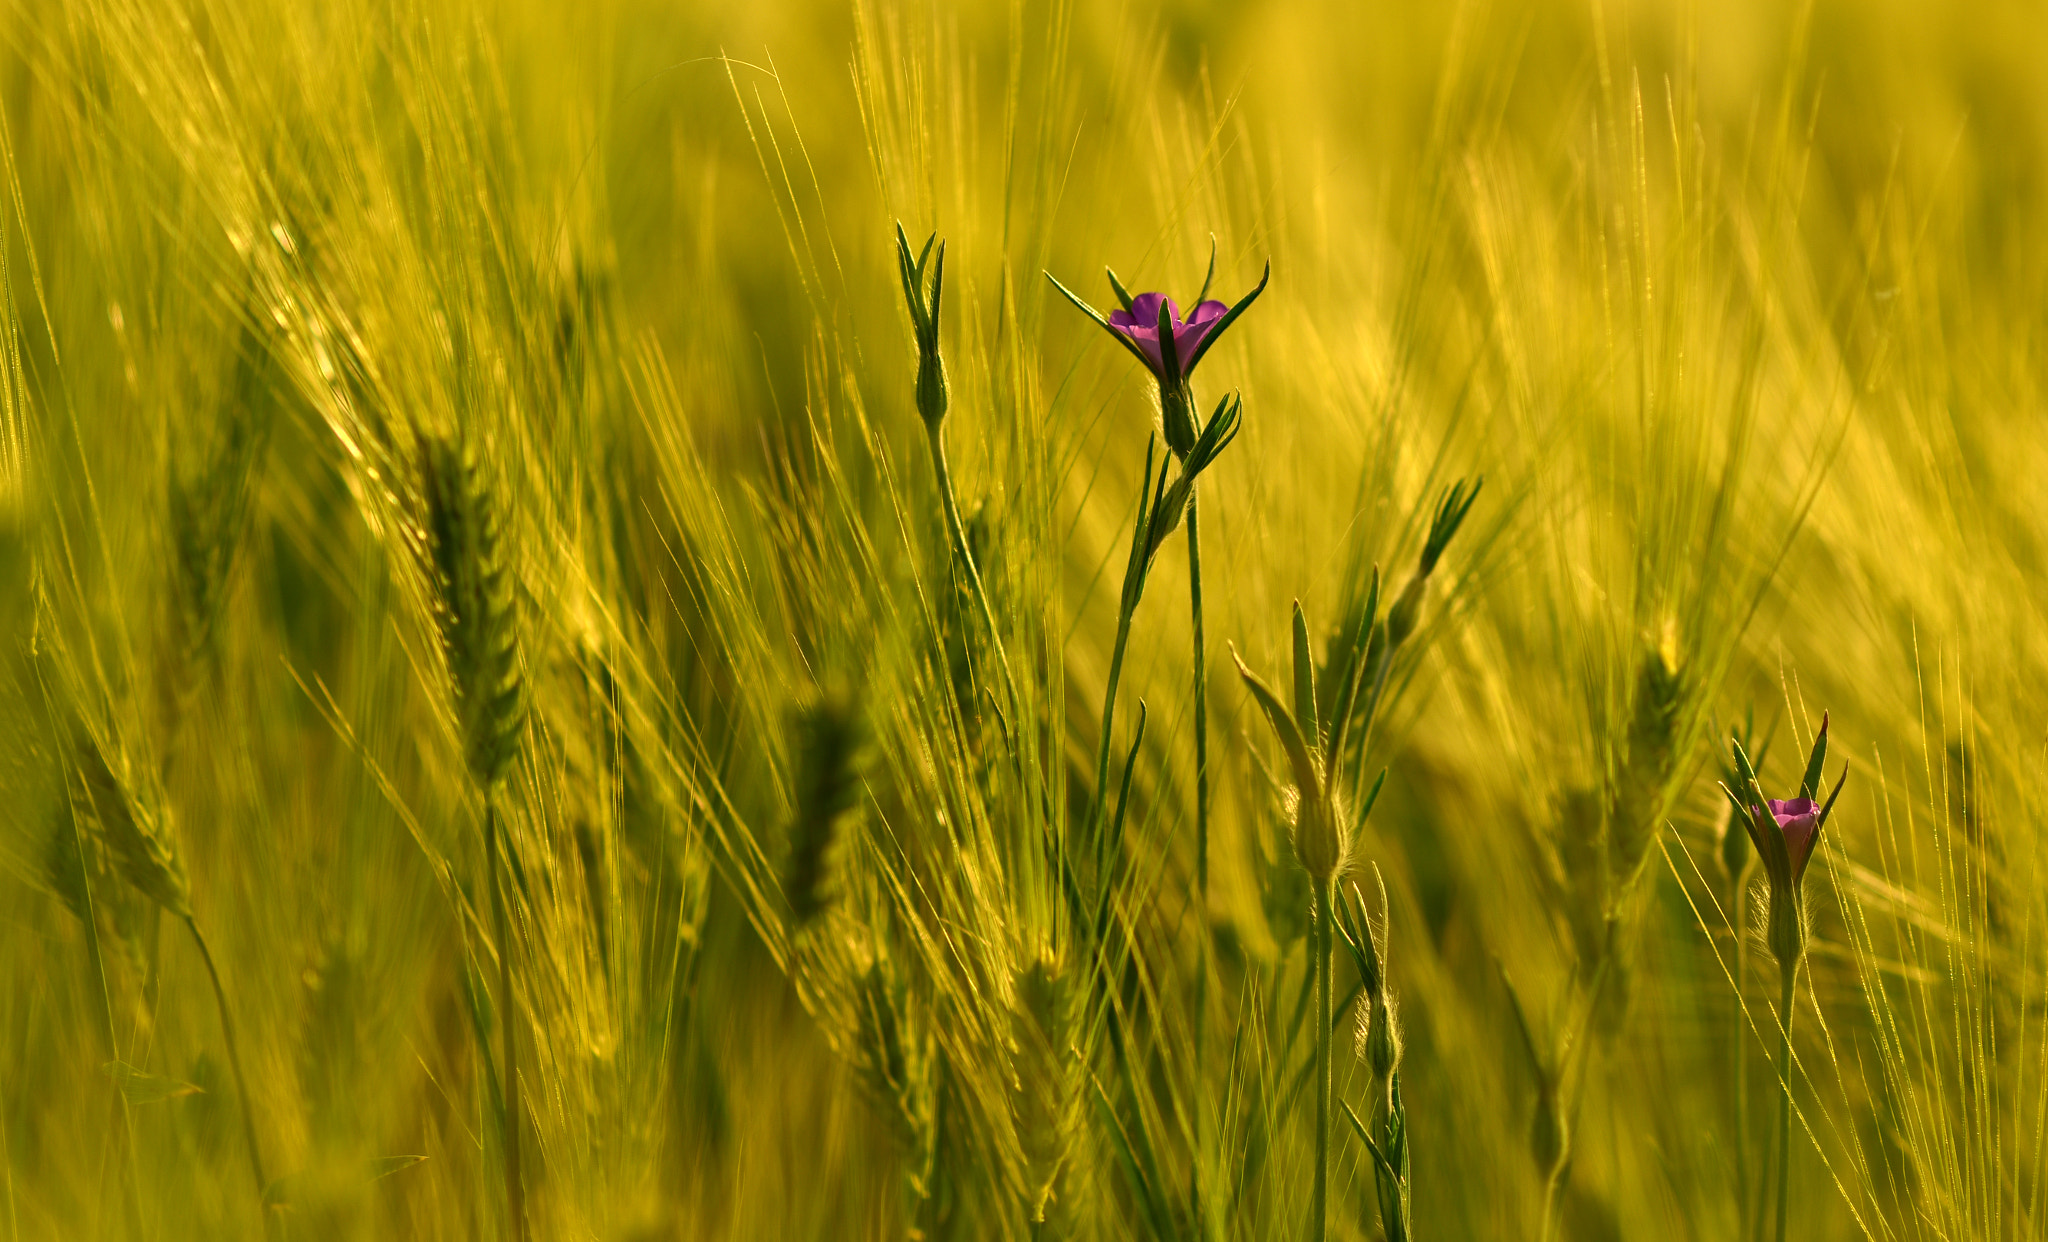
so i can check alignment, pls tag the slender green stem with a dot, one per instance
(1319, 1220)
(122, 1130)
(1550, 1185)
(515, 1183)
(227, 1029)
(1116, 670)
(1201, 1014)
(1791, 972)
(958, 532)
(1741, 1042)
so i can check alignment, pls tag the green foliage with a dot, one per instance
(439, 444)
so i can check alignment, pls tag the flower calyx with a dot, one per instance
(1785, 833)
(932, 398)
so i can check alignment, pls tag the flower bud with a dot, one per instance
(1322, 841)
(932, 401)
(1735, 851)
(1549, 1136)
(1407, 610)
(1785, 833)
(1383, 1039)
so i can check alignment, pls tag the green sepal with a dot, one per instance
(1809, 784)
(1229, 317)
(1305, 681)
(1210, 279)
(1307, 775)
(1116, 286)
(1096, 315)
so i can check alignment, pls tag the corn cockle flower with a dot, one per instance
(1150, 326)
(1785, 832)
(1154, 317)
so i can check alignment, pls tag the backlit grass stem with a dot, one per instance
(508, 1044)
(1199, 1163)
(1322, 940)
(1786, 1001)
(227, 1031)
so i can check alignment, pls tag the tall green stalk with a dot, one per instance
(1116, 669)
(227, 1028)
(1741, 1041)
(1791, 972)
(1319, 1206)
(1201, 1014)
(515, 1182)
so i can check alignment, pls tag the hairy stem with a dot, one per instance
(515, 1183)
(1318, 1218)
(1201, 1014)
(227, 1029)
(1791, 972)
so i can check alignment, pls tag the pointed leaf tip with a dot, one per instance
(1305, 681)
(1306, 775)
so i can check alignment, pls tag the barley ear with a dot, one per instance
(476, 603)
(827, 736)
(136, 830)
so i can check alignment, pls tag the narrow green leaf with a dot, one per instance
(1169, 349)
(1307, 776)
(1116, 286)
(1125, 341)
(1229, 317)
(1305, 681)
(1809, 784)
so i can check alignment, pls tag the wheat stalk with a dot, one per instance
(476, 614)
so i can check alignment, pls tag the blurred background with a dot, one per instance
(1736, 308)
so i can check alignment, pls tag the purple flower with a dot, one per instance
(1150, 327)
(1141, 325)
(1785, 833)
(1798, 823)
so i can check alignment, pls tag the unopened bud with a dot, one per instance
(932, 401)
(1321, 839)
(1383, 1039)
(1549, 1138)
(1736, 850)
(1407, 610)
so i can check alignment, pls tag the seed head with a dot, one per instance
(135, 827)
(476, 603)
(827, 739)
